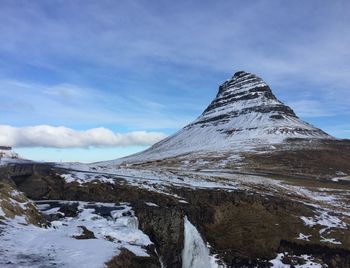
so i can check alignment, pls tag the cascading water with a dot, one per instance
(129, 221)
(195, 253)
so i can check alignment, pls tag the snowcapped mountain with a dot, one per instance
(247, 184)
(244, 115)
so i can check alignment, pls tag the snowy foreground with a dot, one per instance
(59, 245)
(330, 205)
(114, 227)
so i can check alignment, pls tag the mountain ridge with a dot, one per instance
(244, 115)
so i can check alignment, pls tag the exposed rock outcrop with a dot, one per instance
(15, 204)
(127, 259)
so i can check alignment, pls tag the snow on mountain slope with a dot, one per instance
(244, 115)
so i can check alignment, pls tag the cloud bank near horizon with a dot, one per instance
(63, 137)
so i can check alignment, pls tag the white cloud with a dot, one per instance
(63, 137)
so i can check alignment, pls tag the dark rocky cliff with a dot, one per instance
(244, 228)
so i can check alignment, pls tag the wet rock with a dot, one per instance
(53, 216)
(127, 259)
(38, 181)
(246, 229)
(70, 209)
(164, 226)
(87, 234)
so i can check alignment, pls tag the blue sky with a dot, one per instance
(136, 71)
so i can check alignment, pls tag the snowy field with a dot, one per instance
(113, 226)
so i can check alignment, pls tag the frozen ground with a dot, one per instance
(114, 227)
(160, 179)
(306, 259)
(330, 205)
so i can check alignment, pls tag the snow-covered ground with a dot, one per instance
(330, 205)
(160, 178)
(58, 245)
(308, 262)
(25, 245)
(153, 180)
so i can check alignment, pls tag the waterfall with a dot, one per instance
(129, 221)
(195, 253)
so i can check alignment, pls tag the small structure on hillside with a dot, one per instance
(6, 152)
(6, 148)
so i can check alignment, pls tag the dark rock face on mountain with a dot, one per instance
(246, 93)
(247, 103)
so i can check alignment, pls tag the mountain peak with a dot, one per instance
(239, 73)
(243, 90)
(241, 81)
(245, 114)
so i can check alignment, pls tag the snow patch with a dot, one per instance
(2, 213)
(343, 178)
(303, 237)
(84, 177)
(150, 204)
(277, 262)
